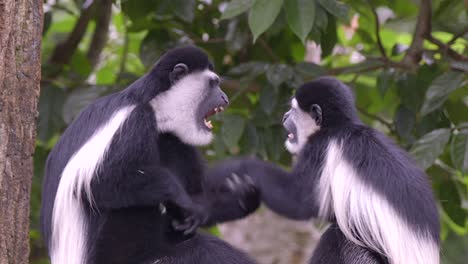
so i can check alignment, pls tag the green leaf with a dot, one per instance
(459, 150)
(138, 9)
(278, 74)
(404, 121)
(321, 18)
(47, 22)
(232, 129)
(155, 43)
(384, 81)
(236, 7)
(80, 64)
(252, 68)
(329, 38)
(78, 99)
(440, 89)
(335, 8)
(184, 9)
(310, 70)
(301, 16)
(268, 99)
(262, 15)
(430, 146)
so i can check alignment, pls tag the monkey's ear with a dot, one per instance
(179, 71)
(316, 113)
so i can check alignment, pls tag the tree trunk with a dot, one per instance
(20, 72)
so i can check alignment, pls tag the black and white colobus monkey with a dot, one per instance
(380, 204)
(124, 183)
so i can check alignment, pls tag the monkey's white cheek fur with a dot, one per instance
(175, 109)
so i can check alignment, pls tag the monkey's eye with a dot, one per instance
(179, 71)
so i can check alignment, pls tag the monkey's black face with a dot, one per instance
(299, 125)
(214, 101)
(290, 126)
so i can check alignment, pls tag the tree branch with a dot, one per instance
(423, 29)
(103, 16)
(376, 117)
(377, 30)
(445, 48)
(458, 35)
(268, 50)
(64, 51)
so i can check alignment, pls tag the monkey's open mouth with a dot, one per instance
(291, 130)
(207, 121)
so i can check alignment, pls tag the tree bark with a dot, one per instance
(20, 73)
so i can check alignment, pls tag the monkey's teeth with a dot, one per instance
(221, 108)
(217, 110)
(208, 124)
(290, 135)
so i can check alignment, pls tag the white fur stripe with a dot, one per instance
(68, 222)
(366, 217)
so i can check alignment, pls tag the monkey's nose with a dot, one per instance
(225, 99)
(286, 116)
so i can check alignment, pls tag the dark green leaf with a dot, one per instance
(384, 81)
(262, 15)
(301, 16)
(278, 74)
(430, 146)
(154, 45)
(184, 9)
(236, 7)
(329, 37)
(274, 140)
(251, 68)
(78, 99)
(232, 129)
(321, 18)
(138, 9)
(268, 99)
(440, 89)
(335, 8)
(50, 109)
(452, 204)
(47, 22)
(404, 122)
(80, 64)
(459, 150)
(310, 70)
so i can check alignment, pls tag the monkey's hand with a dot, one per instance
(194, 217)
(244, 188)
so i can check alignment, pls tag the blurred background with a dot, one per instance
(406, 60)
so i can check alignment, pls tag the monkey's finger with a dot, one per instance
(237, 180)
(181, 226)
(192, 228)
(230, 184)
(249, 179)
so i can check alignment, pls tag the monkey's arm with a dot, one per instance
(227, 203)
(147, 186)
(285, 193)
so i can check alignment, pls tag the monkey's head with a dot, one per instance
(323, 103)
(189, 96)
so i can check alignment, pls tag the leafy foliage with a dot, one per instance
(411, 86)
